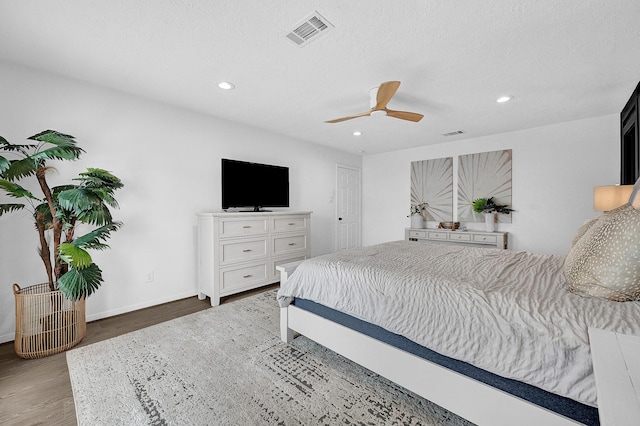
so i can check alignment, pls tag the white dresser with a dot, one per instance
(240, 251)
(476, 238)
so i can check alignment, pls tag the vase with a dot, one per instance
(416, 221)
(490, 222)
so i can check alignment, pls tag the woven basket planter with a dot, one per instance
(46, 322)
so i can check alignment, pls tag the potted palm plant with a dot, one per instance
(50, 317)
(489, 208)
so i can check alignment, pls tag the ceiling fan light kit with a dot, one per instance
(380, 97)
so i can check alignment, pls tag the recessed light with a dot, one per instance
(357, 133)
(504, 99)
(225, 85)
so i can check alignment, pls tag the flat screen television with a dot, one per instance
(254, 185)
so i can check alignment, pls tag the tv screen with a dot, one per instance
(254, 185)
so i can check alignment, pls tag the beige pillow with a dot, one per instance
(605, 261)
(583, 230)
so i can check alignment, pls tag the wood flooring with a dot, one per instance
(38, 391)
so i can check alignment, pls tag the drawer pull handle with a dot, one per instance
(246, 250)
(292, 244)
(247, 276)
(291, 224)
(484, 238)
(247, 226)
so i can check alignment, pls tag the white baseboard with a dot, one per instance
(106, 314)
(145, 304)
(4, 338)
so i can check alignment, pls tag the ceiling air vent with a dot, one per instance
(457, 132)
(312, 27)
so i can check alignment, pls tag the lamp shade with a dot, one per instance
(606, 198)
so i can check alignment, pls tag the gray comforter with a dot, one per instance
(504, 311)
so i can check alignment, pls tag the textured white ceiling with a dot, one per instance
(562, 60)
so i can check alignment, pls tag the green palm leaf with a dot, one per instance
(95, 239)
(106, 195)
(9, 147)
(87, 204)
(20, 168)
(4, 164)
(78, 283)
(6, 208)
(99, 215)
(60, 152)
(77, 200)
(16, 191)
(95, 177)
(53, 137)
(75, 256)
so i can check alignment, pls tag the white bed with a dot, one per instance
(506, 312)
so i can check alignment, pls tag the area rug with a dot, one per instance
(227, 366)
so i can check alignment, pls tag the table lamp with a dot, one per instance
(607, 198)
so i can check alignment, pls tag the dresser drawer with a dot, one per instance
(289, 243)
(242, 250)
(285, 224)
(460, 237)
(417, 234)
(242, 277)
(239, 228)
(437, 235)
(488, 239)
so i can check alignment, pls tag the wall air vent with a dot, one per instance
(309, 29)
(457, 132)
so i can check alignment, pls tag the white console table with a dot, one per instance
(617, 371)
(240, 251)
(477, 238)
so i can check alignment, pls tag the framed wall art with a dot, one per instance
(483, 175)
(432, 183)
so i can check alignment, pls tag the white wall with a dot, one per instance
(554, 171)
(169, 161)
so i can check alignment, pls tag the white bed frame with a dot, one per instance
(466, 397)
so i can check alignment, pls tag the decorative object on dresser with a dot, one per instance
(50, 317)
(240, 251)
(449, 225)
(483, 239)
(418, 215)
(432, 184)
(482, 175)
(490, 210)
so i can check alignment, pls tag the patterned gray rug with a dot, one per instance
(227, 366)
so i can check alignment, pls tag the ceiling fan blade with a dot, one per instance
(405, 115)
(338, 120)
(385, 93)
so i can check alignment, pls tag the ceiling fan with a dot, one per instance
(379, 105)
